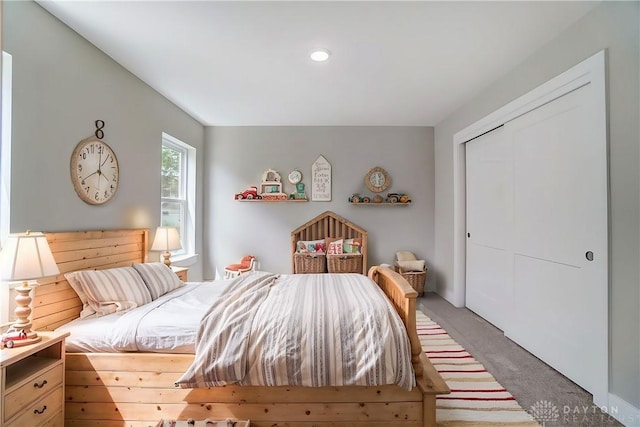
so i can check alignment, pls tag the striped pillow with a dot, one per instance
(159, 278)
(72, 278)
(114, 289)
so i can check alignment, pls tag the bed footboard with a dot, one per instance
(136, 390)
(403, 297)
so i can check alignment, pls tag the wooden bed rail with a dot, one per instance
(404, 301)
(403, 297)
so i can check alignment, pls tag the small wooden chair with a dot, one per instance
(247, 263)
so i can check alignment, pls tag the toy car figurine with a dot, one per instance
(249, 194)
(398, 198)
(355, 198)
(9, 337)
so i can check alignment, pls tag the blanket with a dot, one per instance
(308, 330)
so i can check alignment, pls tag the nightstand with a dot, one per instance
(181, 272)
(32, 383)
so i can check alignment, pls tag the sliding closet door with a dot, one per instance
(537, 199)
(489, 200)
(560, 236)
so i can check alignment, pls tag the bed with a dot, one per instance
(137, 389)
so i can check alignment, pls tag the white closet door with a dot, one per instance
(489, 200)
(559, 220)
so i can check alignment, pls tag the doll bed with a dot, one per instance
(137, 389)
(329, 225)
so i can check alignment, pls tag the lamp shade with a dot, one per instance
(27, 256)
(166, 239)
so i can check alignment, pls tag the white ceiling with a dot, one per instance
(247, 63)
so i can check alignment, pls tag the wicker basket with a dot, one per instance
(344, 263)
(305, 263)
(416, 279)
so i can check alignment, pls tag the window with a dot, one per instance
(178, 191)
(5, 171)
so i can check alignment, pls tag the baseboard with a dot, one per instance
(450, 295)
(624, 411)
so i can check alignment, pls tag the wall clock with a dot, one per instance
(377, 180)
(295, 176)
(94, 171)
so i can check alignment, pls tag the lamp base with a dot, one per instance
(22, 333)
(166, 256)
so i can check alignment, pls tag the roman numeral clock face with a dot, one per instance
(94, 171)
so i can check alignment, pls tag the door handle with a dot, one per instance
(589, 256)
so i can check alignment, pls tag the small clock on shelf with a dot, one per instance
(295, 176)
(377, 180)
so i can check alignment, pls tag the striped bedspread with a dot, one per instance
(301, 330)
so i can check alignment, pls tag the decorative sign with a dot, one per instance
(321, 180)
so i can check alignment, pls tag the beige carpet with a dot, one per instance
(476, 398)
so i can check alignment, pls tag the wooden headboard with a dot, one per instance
(55, 302)
(328, 224)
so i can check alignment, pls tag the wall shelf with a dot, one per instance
(380, 204)
(272, 201)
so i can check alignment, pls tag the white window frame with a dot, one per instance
(188, 189)
(5, 170)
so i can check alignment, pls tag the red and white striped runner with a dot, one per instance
(476, 398)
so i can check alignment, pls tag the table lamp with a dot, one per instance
(166, 239)
(26, 257)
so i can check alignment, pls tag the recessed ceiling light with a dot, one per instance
(320, 55)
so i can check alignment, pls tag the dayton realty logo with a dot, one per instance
(545, 412)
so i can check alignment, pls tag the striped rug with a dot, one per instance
(476, 398)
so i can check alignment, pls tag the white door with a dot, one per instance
(489, 199)
(537, 249)
(557, 295)
(560, 237)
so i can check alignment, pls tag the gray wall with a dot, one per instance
(236, 157)
(613, 26)
(61, 85)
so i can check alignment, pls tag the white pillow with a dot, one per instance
(407, 266)
(72, 278)
(159, 278)
(405, 256)
(335, 247)
(114, 289)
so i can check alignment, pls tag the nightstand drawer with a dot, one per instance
(55, 421)
(42, 411)
(32, 390)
